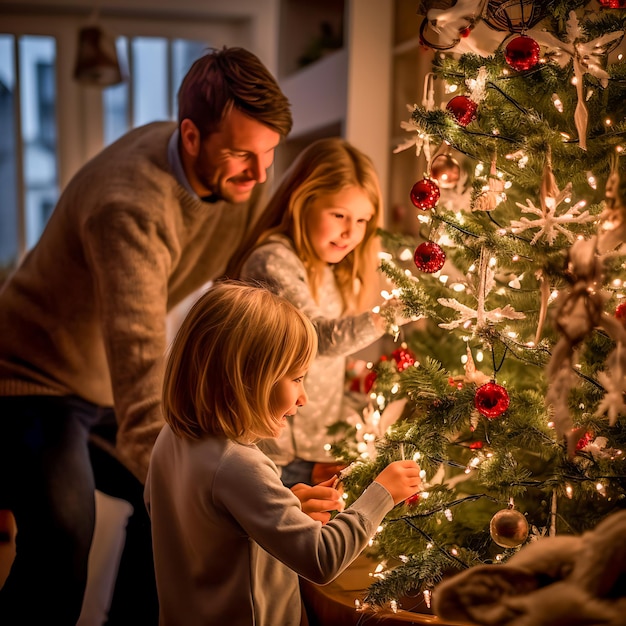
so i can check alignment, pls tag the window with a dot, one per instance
(28, 162)
(158, 66)
(29, 126)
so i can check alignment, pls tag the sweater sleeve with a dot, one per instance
(250, 490)
(277, 265)
(130, 263)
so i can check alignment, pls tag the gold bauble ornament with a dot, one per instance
(445, 169)
(508, 528)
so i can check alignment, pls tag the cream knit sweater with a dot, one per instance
(85, 313)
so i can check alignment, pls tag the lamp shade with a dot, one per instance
(96, 62)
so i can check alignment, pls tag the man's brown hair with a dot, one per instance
(232, 77)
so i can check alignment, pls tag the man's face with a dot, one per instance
(231, 161)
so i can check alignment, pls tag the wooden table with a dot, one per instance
(334, 604)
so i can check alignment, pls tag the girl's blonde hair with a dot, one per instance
(327, 166)
(234, 345)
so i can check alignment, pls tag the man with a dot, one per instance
(142, 225)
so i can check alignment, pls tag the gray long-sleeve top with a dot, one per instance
(230, 540)
(276, 264)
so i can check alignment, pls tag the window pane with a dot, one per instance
(38, 107)
(154, 83)
(115, 99)
(184, 53)
(8, 158)
(149, 80)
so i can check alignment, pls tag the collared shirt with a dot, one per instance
(176, 164)
(173, 157)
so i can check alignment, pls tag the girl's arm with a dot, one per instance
(248, 488)
(276, 265)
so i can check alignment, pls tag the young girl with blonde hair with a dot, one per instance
(229, 538)
(323, 257)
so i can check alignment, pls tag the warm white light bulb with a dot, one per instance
(558, 104)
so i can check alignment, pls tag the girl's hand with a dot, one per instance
(391, 313)
(318, 501)
(401, 479)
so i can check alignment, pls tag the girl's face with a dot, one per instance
(336, 223)
(287, 395)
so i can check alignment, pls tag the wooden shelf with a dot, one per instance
(318, 93)
(346, 92)
(300, 31)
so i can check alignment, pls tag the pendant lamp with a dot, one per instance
(97, 63)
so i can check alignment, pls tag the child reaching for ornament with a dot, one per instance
(323, 257)
(230, 540)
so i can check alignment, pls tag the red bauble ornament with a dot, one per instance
(404, 358)
(429, 257)
(491, 400)
(620, 313)
(508, 528)
(613, 4)
(455, 383)
(585, 440)
(363, 383)
(463, 108)
(368, 383)
(445, 169)
(412, 500)
(522, 53)
(425, 194)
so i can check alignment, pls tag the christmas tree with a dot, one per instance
(509, 391)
